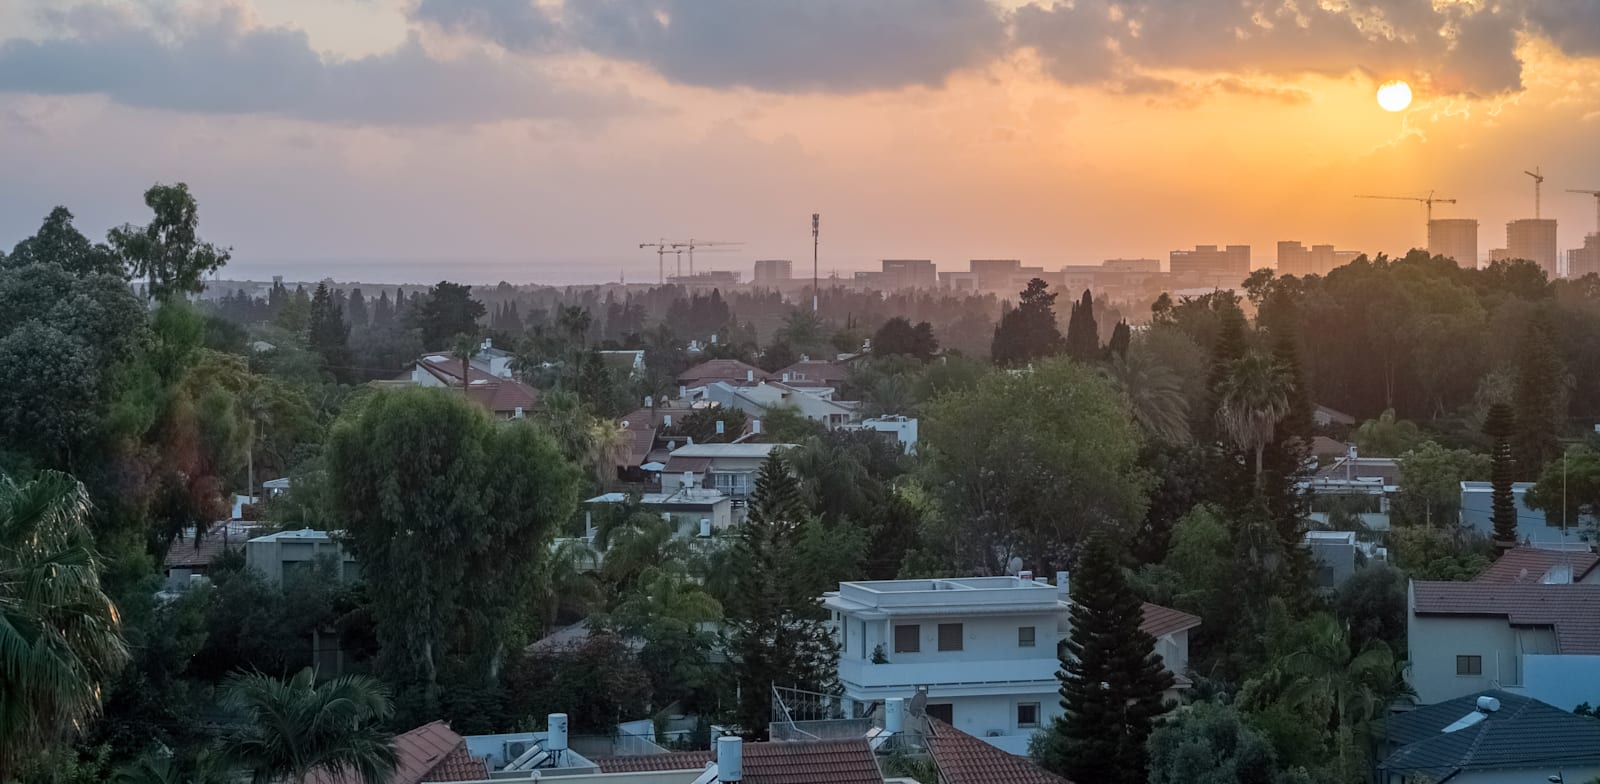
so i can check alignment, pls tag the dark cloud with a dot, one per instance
(1464, 49)
(774, 45)
(1573, 24)
(218, 66)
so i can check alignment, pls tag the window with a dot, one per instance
(862, 629)
(907, 639)
(735, 485)
(1469, 665)
(1025, 636)
(942, 711)
(949, 636)
(844, 642)
(1027, 714)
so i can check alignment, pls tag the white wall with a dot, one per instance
(981, 716)
(1562, 680)
(1434, 643)
(983, 638)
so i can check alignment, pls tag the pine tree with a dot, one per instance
(1111, 678)
(1499, 426)
(382, 311)
(777, 630)
(1538, 398)
(1285, 457)
(1083, 333)
(1028, 331)
(328, 334)
(356, 311)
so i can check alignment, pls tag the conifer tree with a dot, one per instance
(1499, 426)
(1121, 338)
(1111, 678)
(1028, 331)
(382, 311)
(328, 334)
(778, 636)
(1083, 333)
(356, 311)
(1285, 457)
(1538, 399)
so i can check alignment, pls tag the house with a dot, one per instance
(1322, 416)
(1335, 555)
(1505, 631)
(728, 468)
(189, 559)
(430, 753)
(1490, 736)
(814, 372)
(1325, 448)
(628, 362)
(731, 371)
(983, 649)
(1354, 487)
(692, 510)
(902, 429)
(814, 403)
(276, 487)
(644, 442)
(1541, 565)
(284, 553)
(1477, 511)
(963, 759)
(489, 382)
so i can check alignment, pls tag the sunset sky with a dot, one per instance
(539, 141)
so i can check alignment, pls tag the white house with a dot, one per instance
(693, 511)
(729, 468)
(1477, 509)
(1529, 625)
(285, 552)
(1359, 486)
(1335, 555)
(902, 429)
(984, 648)
(814, 403)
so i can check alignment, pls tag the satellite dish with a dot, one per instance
(1014, 565)
(919, 703)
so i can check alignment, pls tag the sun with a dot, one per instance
(1394, 95)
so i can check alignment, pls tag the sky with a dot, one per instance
(541, 141)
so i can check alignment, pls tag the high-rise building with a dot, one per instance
(1133, 265)
(773, 271)
(994, 274)
(1585, 260)
(1534, 239)
(1212, 266)
(1454, 238)
(910, 274)
(1295, 258)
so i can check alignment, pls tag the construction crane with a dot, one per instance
(694, 243)
(662, 249)
(1427, 201)
(1538, 183)
(1596, 195)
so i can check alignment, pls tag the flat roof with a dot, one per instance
(304, 534)
(727, 450)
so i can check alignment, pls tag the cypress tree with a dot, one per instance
(1028, 331)
(328, 334)
(1538, 399)
(382, 311)
(1121, 338)
(356, 311)
(1499, 426)
(1111, 678)
(1083, 334)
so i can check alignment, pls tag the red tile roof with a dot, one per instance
(781, 762)
(730, 370)
(1531, 564)
(432, 752)
(816, 370)
(185, 553)
(1568, 609)
(1161, 621)
(498, 395)
(963, 759)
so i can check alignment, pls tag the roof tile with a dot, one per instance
(1531, 564)
(1568, 609)
(963, 759)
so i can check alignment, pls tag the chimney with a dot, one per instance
(1063, 587)
(894, 715)
(1025, 576)
(730, 759)
(721, 427)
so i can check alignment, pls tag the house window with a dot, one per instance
(1025, 636)
(862, 630)
(735, 485)
(1027, 714)
(907, 639)
(943, 711)
(844, 643)
(949, 636)
(1469, 665)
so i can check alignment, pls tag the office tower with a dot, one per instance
(1534, 239)
(1585, 260)
(1222, 267)
(910, 274)
(1454, 238)
(773, 271)
(1293, 258)
(994, 274)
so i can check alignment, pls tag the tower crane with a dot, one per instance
(1596, 195)
(1538, 183)
(694, 243)
(662, 249)
(1427, 201)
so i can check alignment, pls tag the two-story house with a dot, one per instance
(983, 648)
(729, 468)
(1530, 625)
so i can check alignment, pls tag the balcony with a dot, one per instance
(975, 676)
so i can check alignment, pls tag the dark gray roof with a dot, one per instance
(1523, 733)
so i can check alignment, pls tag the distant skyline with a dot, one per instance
(543, 141)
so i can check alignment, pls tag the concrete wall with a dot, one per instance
(991, 717)
(1434, 643)
(270, 555)
(1564, 681)
(984, 638)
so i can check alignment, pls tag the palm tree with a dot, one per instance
(296, 727)
(1323, 674)
(570, 581)
(60, 636)
(464, 349)
(1252, 398)
(205, 767)
(1154, 392)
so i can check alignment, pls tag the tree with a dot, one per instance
(778, 634)
(1538, 398)
(1208, 743)
(60, 636)
(295, 728)
(329, 335)
(702, 424)
(1154, 392)
(448, 310)
(897, 337)
(1430, 482)
(1006, 458)
(1387, 436)
(168, 251)
(1112, 679)
(1028, 332)
(58, 242)
(1253, 396)
(382, 311)
(1499, 426)
(453, 514)
(1083, 334)
(1121, 339)
(357, 310)
(1569, 488)
(1372, 605)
